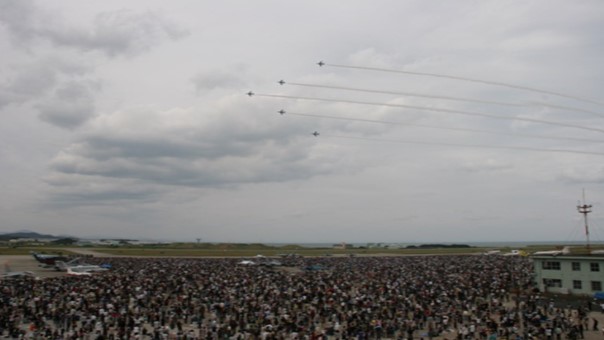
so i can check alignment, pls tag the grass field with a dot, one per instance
(250, 250)
(237, 251)
(28, 250)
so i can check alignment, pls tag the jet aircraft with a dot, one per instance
(11, 274)
(74, 266)
(48, 259)
(315, 134)
(72, 272)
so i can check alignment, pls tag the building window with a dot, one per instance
(596, 286)
(577, 284)
(551, 265)
(595, 267)
(556, 283)
(576, 266)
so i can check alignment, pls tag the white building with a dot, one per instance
(569, 274)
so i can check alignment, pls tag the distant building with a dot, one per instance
(569, 274)
(340, 245)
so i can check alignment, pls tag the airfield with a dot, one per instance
(28, 263)
(22, 263)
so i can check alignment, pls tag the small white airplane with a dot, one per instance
(563, 251)
(74, 272)
(78, 268)
(514, 252)
(247, 263)
(11, 274)
(8, 275)
(492, 252)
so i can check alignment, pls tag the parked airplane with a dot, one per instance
(493, 252)
(11, 274)
(75, 267)
(48, 259)
(563, 251)
(72, 272)
(247, 263)
(512, 253)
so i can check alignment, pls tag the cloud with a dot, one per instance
(71, 105)
(25, 82)
(53, 75)
(112, 33)
(72, 189)
(220, 145)
(219, 79)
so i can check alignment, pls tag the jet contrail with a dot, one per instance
(460, 99)
(519, 87)
(410, 94)
(432, 109)
(468, 145)
(441, 127)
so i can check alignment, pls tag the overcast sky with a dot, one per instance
(129, 119)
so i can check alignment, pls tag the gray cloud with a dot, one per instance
(219, 79)
(112, 33)
(70, 106)
(184, 148)
(26, 82)
(81, 190)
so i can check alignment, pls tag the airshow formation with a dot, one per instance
(514, 117)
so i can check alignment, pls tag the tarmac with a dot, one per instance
(21, 263)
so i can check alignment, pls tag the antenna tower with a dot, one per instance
(585, 209)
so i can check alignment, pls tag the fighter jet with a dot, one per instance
(75, 266)
(47, 260)
(11, 274)
(281, 82)
(316, 134)
(72, 272)
(250, 93)
(281, 112)
(321, 63)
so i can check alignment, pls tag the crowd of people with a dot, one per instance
(451, 297)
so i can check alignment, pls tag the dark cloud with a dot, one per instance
(184, 148)
(70, 106)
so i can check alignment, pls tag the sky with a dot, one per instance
(438, 121)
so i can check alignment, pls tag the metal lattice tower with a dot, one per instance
(585, 209)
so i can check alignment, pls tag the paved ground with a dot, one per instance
(19, 263)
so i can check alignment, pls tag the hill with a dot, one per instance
(26, 234)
